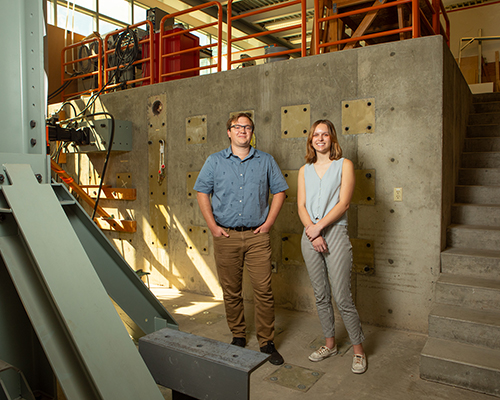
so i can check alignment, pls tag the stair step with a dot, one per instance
(468, 292)
(471, 262)
(484, 118)
(481, 144)
(476, 327)
(479, 237)
(479, 176)
(486, 159)
(487, 107)
(485, 97)
(478, 214)
(483, 130)
(466, 366)
(477, 194)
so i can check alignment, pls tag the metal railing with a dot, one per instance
(170, 36)
(418, 18)
(231, 39)
(112, 72)
(94, 61)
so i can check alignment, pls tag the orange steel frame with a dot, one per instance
(232, 40)
(149, 59)
(437, 8)
(64, 64)
(163, 36)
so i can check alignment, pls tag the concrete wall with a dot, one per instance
(407, 81)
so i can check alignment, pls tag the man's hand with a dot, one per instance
(219, 231)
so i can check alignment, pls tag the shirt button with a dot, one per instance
(241, 187)
(240, 201)
(239, 215)
(241, 174)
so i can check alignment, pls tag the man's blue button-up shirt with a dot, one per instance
(240, 188)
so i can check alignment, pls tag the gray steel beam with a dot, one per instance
(75, 321)
(120, 281)
(219, 371)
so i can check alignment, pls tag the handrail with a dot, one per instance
(148, 59)
(91, 58)
(164, 55)
(231, 40)
(418, 18)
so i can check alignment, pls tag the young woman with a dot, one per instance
(325, 187)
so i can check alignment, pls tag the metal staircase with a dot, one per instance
(463, 348)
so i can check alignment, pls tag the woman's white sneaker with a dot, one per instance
(358, 364)
(322, 353)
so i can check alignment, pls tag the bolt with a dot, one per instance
(33, 142)
(2, 178)
(39, 178)
(32, 123)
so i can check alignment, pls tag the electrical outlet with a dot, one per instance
(274, 267)
(398, 194)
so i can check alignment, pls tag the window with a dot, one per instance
(120, 10)
(81, 16)
(76, 21)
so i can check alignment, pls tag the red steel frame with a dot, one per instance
(437, 8)
(74, 61)
(232, 40)
(149, 59)
(163, 56)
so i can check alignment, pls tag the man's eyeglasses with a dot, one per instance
(248, 128)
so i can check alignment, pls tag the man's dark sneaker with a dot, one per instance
(239, 341)
(275, 358)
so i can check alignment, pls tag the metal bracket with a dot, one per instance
(295, 121)
(358, 116)
(219, 370)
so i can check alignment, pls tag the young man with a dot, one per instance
(239, 179)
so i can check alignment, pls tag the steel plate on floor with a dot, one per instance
(295, 377)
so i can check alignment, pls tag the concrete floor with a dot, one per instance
(393, 356)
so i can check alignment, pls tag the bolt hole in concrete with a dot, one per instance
(157, 107)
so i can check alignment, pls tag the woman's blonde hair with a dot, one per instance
(335, 149)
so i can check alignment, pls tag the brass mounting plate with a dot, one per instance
(363, 256)
(190, 181)
(291, 177)
(196, 129)
(124, 180)
(157, 121)
(358, 116)
(364, 192)
(291, 252)
(295, 121)
(198, 236)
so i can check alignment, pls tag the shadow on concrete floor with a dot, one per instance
(393, 356)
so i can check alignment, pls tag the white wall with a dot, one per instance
(466, 22)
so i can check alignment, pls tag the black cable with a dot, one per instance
(59, 90)
(110, 145)
(125, 58)
(66, 103)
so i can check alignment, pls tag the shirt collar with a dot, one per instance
(253, 153)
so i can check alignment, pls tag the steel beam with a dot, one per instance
(75, 321)
(217, 371)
